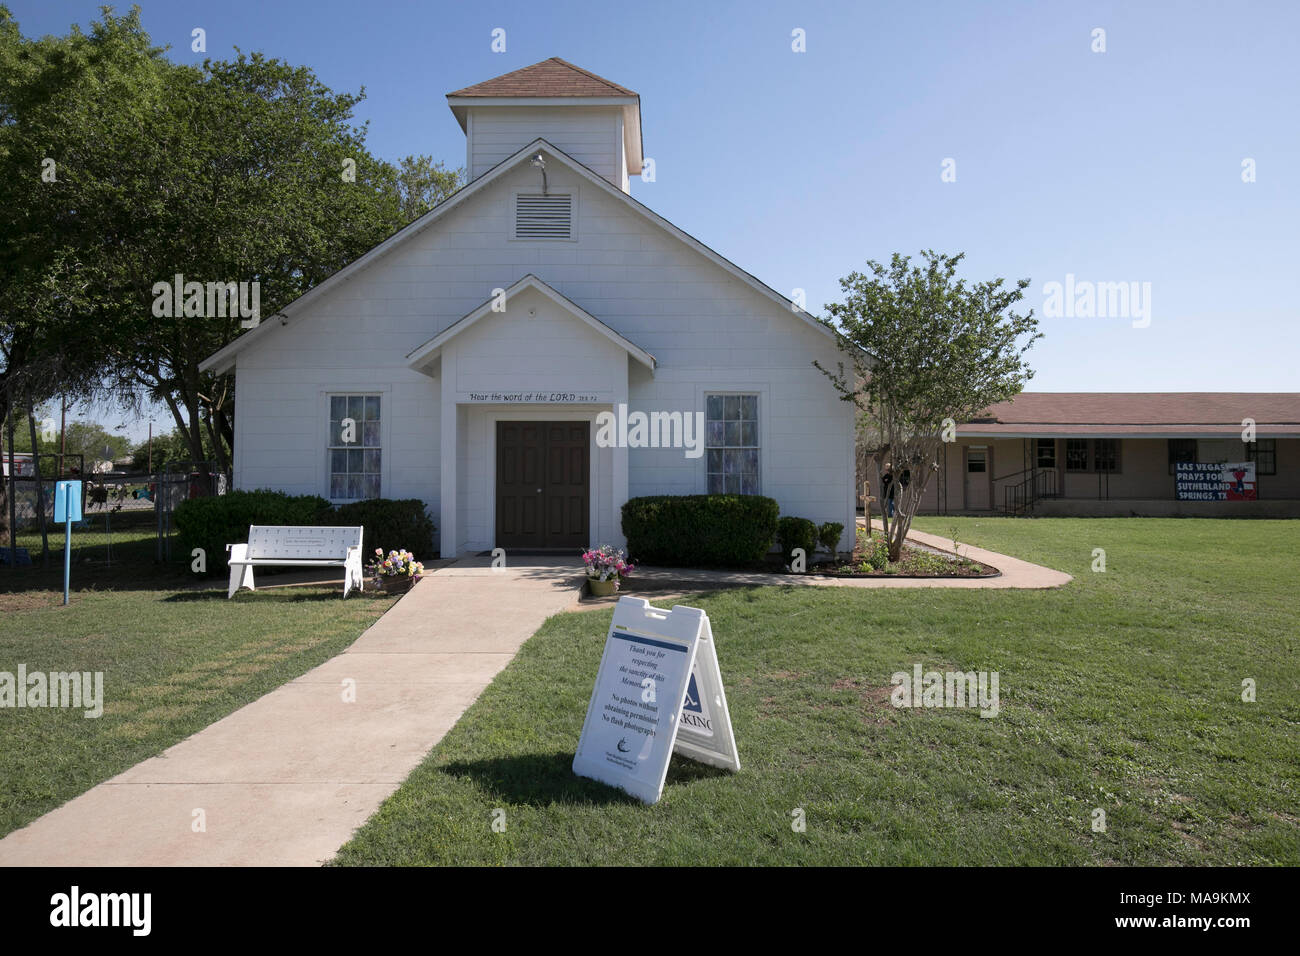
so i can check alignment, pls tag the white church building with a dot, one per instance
(519, 356)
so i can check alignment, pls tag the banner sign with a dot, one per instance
(1215, 481)
(658, 689)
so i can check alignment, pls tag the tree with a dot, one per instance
(48, 287)
(925, 352)
(78, 438)
(247, 170)
(167, 446)
(421, 184)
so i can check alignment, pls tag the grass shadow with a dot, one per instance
(548, 779)
(286, 595)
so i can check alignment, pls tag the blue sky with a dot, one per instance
(1115, 166)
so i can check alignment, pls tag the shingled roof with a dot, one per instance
(553, 77)
(1140, 413)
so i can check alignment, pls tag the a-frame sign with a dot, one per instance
(658, 691)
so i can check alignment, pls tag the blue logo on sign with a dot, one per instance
(693, 696)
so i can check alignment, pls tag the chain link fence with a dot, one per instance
(127, 517)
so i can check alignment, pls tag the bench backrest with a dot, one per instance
(272, 541)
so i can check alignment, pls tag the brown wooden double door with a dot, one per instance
(542, 485)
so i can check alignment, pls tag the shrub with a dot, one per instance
(211, 523)
(792, 532)
(828, 535)
(391, 524)
(874, 548)
(684, 530)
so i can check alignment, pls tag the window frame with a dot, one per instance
(327, 464)
(1038, 444)
(1119, 457)
(1087, 456)
(757, 448)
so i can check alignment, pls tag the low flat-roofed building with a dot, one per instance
(1125, 453)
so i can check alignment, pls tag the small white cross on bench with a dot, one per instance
(297, 547)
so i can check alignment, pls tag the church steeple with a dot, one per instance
(594, 120)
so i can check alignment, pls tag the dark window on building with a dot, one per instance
(1045, 452)
(1076, 454)
(1105, 455)
(1181, 450)
(1263, 452)
(354, 448)
(731, 429)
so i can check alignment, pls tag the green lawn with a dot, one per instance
(104, 540)
(1121, 691)
(174, 658)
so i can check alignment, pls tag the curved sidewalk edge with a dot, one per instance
(1015, 574)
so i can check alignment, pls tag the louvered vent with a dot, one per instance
(544, 217)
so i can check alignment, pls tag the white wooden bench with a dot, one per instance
(297, 547)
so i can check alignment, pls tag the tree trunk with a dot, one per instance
(226, 431)
(4, 488)
(11, 483)
(40, 486)
(907, 501)
(883, 492)
(194, 433)
(218, 446)
(182, 426)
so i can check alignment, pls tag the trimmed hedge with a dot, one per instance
(391, 524)
(687, 530)
(792, 532)
(211, 523)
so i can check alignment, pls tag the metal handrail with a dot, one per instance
(1023, 495)
(1022, 471)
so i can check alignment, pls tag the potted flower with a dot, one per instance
(606, 568)
(396, 571)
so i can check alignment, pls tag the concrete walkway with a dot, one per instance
(285, 780)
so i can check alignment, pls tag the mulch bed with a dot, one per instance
(917, 562)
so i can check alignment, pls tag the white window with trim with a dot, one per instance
(732, 445)
(354, 447)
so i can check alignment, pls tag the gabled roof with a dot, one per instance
(222, 360)
(1150, 414)
(421, 356)
(553, 77)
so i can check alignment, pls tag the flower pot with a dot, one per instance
(396, 584)
(602, 588)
